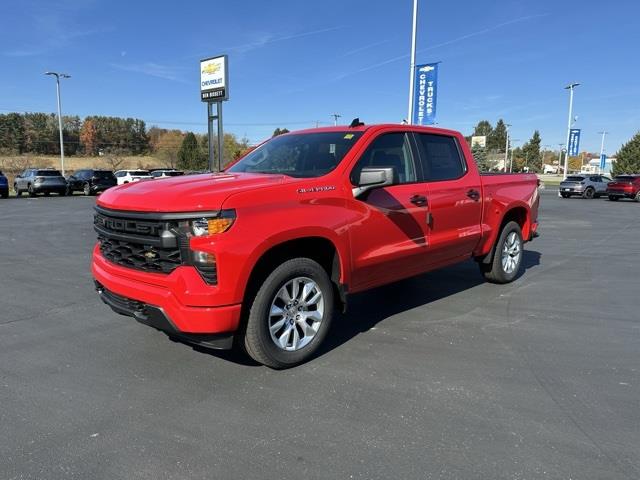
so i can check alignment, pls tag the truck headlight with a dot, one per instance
(210, 226)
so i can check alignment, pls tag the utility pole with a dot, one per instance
(335, 116)
(511, 161)
(569, 87)
(412, 62)
(603, 133)
(560, 157)
(58, 77)
(506, 148)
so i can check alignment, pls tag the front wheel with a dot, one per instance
(637, 197)
(589, 193)
(17, 190)
(86, 189)
(32, 192)
(290, 315)
(565, 195)
(507, 257)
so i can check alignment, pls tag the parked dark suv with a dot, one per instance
(4, 186)
(34, 181)
(90, 181)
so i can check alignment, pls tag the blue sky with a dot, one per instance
(293, 63)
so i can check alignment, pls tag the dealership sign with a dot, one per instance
(425, 93)
(574, 142)
(603, 161)
(214, 79)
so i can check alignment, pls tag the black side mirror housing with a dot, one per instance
(374, 177)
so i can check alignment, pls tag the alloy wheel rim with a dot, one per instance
(511, 253)
(296, 313)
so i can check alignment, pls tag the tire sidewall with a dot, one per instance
(257, 324)
(503, 276)
(589, 193)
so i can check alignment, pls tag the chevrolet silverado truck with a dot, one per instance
(261, 255)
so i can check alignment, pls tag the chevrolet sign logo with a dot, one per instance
(211, 68)
(150, 255)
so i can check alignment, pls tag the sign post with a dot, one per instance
(214, 88)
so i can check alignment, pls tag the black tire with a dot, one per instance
(565, 195)
(613, 198)
(637, 197)
(495, 272)
(257, 338)
(32, 193)
(68, 191)
(17, 190)
(589, 193)
(5, 194)
(46, 194)
(86, 189)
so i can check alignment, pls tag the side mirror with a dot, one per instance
(18, 176)
(374, 177)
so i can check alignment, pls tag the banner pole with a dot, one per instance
(210, 134)
(412, 65)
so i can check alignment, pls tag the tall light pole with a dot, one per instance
(569, 87)
(412, 63)
(58, 77)
(506, 148)
(603, 133)
(335, 116)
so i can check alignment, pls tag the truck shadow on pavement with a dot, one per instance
(369, 308)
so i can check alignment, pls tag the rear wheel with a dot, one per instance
(507, 257)
(86, 189)
(290, 315)
(637, 197)
(32, 192)
(613, 198)
(589, 193)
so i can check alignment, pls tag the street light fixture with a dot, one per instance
(569, 87)
(58, 77)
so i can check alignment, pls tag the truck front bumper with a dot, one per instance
(180, 304)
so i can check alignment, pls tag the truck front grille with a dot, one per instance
(139, 256)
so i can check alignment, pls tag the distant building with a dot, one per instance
(594, 166)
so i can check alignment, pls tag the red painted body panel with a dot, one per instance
(377, 241)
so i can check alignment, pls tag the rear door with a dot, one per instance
(388, 238)
(454, 194)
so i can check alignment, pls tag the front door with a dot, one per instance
(388, 238)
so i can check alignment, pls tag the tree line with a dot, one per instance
(111, 137)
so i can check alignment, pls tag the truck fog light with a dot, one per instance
(205, 263)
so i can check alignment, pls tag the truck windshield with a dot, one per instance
(302, 155)
(48, 173)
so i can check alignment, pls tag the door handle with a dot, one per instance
(418, 200)
(473, 195)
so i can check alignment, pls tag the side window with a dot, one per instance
(388, 150)
(442, 159)
(594, 179)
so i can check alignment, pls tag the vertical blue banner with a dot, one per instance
(574, 142)
(603, 161)
(425, 94)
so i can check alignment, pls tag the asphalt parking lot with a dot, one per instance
(440, 376)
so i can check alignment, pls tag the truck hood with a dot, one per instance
(189, 193)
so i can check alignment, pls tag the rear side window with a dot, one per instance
(102, 174)
(442, 159)
(139, 173)
(48, 173)
(388, 150)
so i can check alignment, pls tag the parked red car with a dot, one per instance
(624, 186)
(266, 251)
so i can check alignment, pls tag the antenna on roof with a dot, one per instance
(356, 123)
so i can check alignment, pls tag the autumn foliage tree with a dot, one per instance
(89, 137)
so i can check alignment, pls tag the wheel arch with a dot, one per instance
(518, 213)
(316, 247)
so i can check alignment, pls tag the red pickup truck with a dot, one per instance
(262, 254)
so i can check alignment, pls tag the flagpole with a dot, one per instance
(412, 65)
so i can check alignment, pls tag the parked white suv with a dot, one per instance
(128, 176)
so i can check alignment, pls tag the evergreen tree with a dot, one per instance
(498, 137)
(279, 131)
(628, 157)
(531, 153)
(190, 156)
(483, 129)
(480, 156)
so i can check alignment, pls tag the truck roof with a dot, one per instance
(363, 128)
